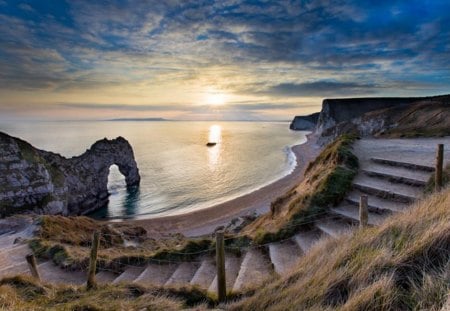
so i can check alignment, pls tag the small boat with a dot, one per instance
(210, 144)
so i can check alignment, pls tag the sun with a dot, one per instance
(215, 98)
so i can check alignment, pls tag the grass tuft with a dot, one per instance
(401, 265)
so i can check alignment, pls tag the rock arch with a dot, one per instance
(49, 183)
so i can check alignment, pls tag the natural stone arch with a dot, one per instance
(49, 183)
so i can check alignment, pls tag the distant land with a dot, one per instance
(138, 119)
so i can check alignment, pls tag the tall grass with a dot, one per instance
(402, 265)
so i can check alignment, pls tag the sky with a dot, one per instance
(215, 60)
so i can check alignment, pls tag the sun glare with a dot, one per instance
(216, 99)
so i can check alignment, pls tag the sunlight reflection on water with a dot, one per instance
(215, 136)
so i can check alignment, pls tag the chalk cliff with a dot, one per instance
(415, 116)
(48, 183)
(305, 123)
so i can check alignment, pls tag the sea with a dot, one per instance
(179, 173)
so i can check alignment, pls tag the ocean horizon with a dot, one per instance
(179, 172)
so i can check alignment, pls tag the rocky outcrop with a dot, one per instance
(33, 180)
(418, 116)
(305, 123)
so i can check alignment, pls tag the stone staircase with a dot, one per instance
(390, 182)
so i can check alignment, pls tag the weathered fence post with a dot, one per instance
(439, 167)
(93, 261)
(220, 263)
(363, 211)
(31, 260)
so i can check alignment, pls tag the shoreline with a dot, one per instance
(204, 221)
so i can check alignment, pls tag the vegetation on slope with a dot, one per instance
(430, 186)
(67, 240)
(23, 293)
(327, 180)
(402, 265)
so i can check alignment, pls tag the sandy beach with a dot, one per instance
(204, 221)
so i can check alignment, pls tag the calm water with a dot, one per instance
(179, 173)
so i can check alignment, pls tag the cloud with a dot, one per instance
(272, 51)
(321, 89)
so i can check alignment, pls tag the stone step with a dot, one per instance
(15, 269)
(255, 268)
(351, 212)
(205, 273)
(232, 267)
(13, 255)
(397, 174)
(129, 275)
(376, 204)
(50, 273)
(105, 277)
(306, 239)
(410, 165)
(156, 274)
(333, 227)
(284, 255)
(387, 190)
(183, 274)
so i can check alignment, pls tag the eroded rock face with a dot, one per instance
(304, 123)
(48, 183)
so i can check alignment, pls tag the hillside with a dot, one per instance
(401, 265)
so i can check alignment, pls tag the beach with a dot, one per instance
(205, 221)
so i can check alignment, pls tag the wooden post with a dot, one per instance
(220, 263)
(93, 261)
(439, 167)
(363, 211)
(31, 260)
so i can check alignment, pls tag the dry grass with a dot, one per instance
(402, 265)
(67, 240)
(327, 180)
(23, 293)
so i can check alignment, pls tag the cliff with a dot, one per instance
(305, 123)
(414, 116)
(33, 180)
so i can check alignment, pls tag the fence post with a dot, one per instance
(439, 167)
(363, 211)
(31, 260)
(220, 263)
(93, 261)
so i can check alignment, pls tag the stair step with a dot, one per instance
(156, 274)
(183, 274)
(232, 267)
(51, 273)
(105, 277)
(397, 174)
(129, 275)
(205, 273)
(255, 268)
(333, 227)
(15, 269)
(352, 213)
(387, 190)
(376, 204)
(284, 256)
(14, 255)
(414, 166)
(307, 239)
